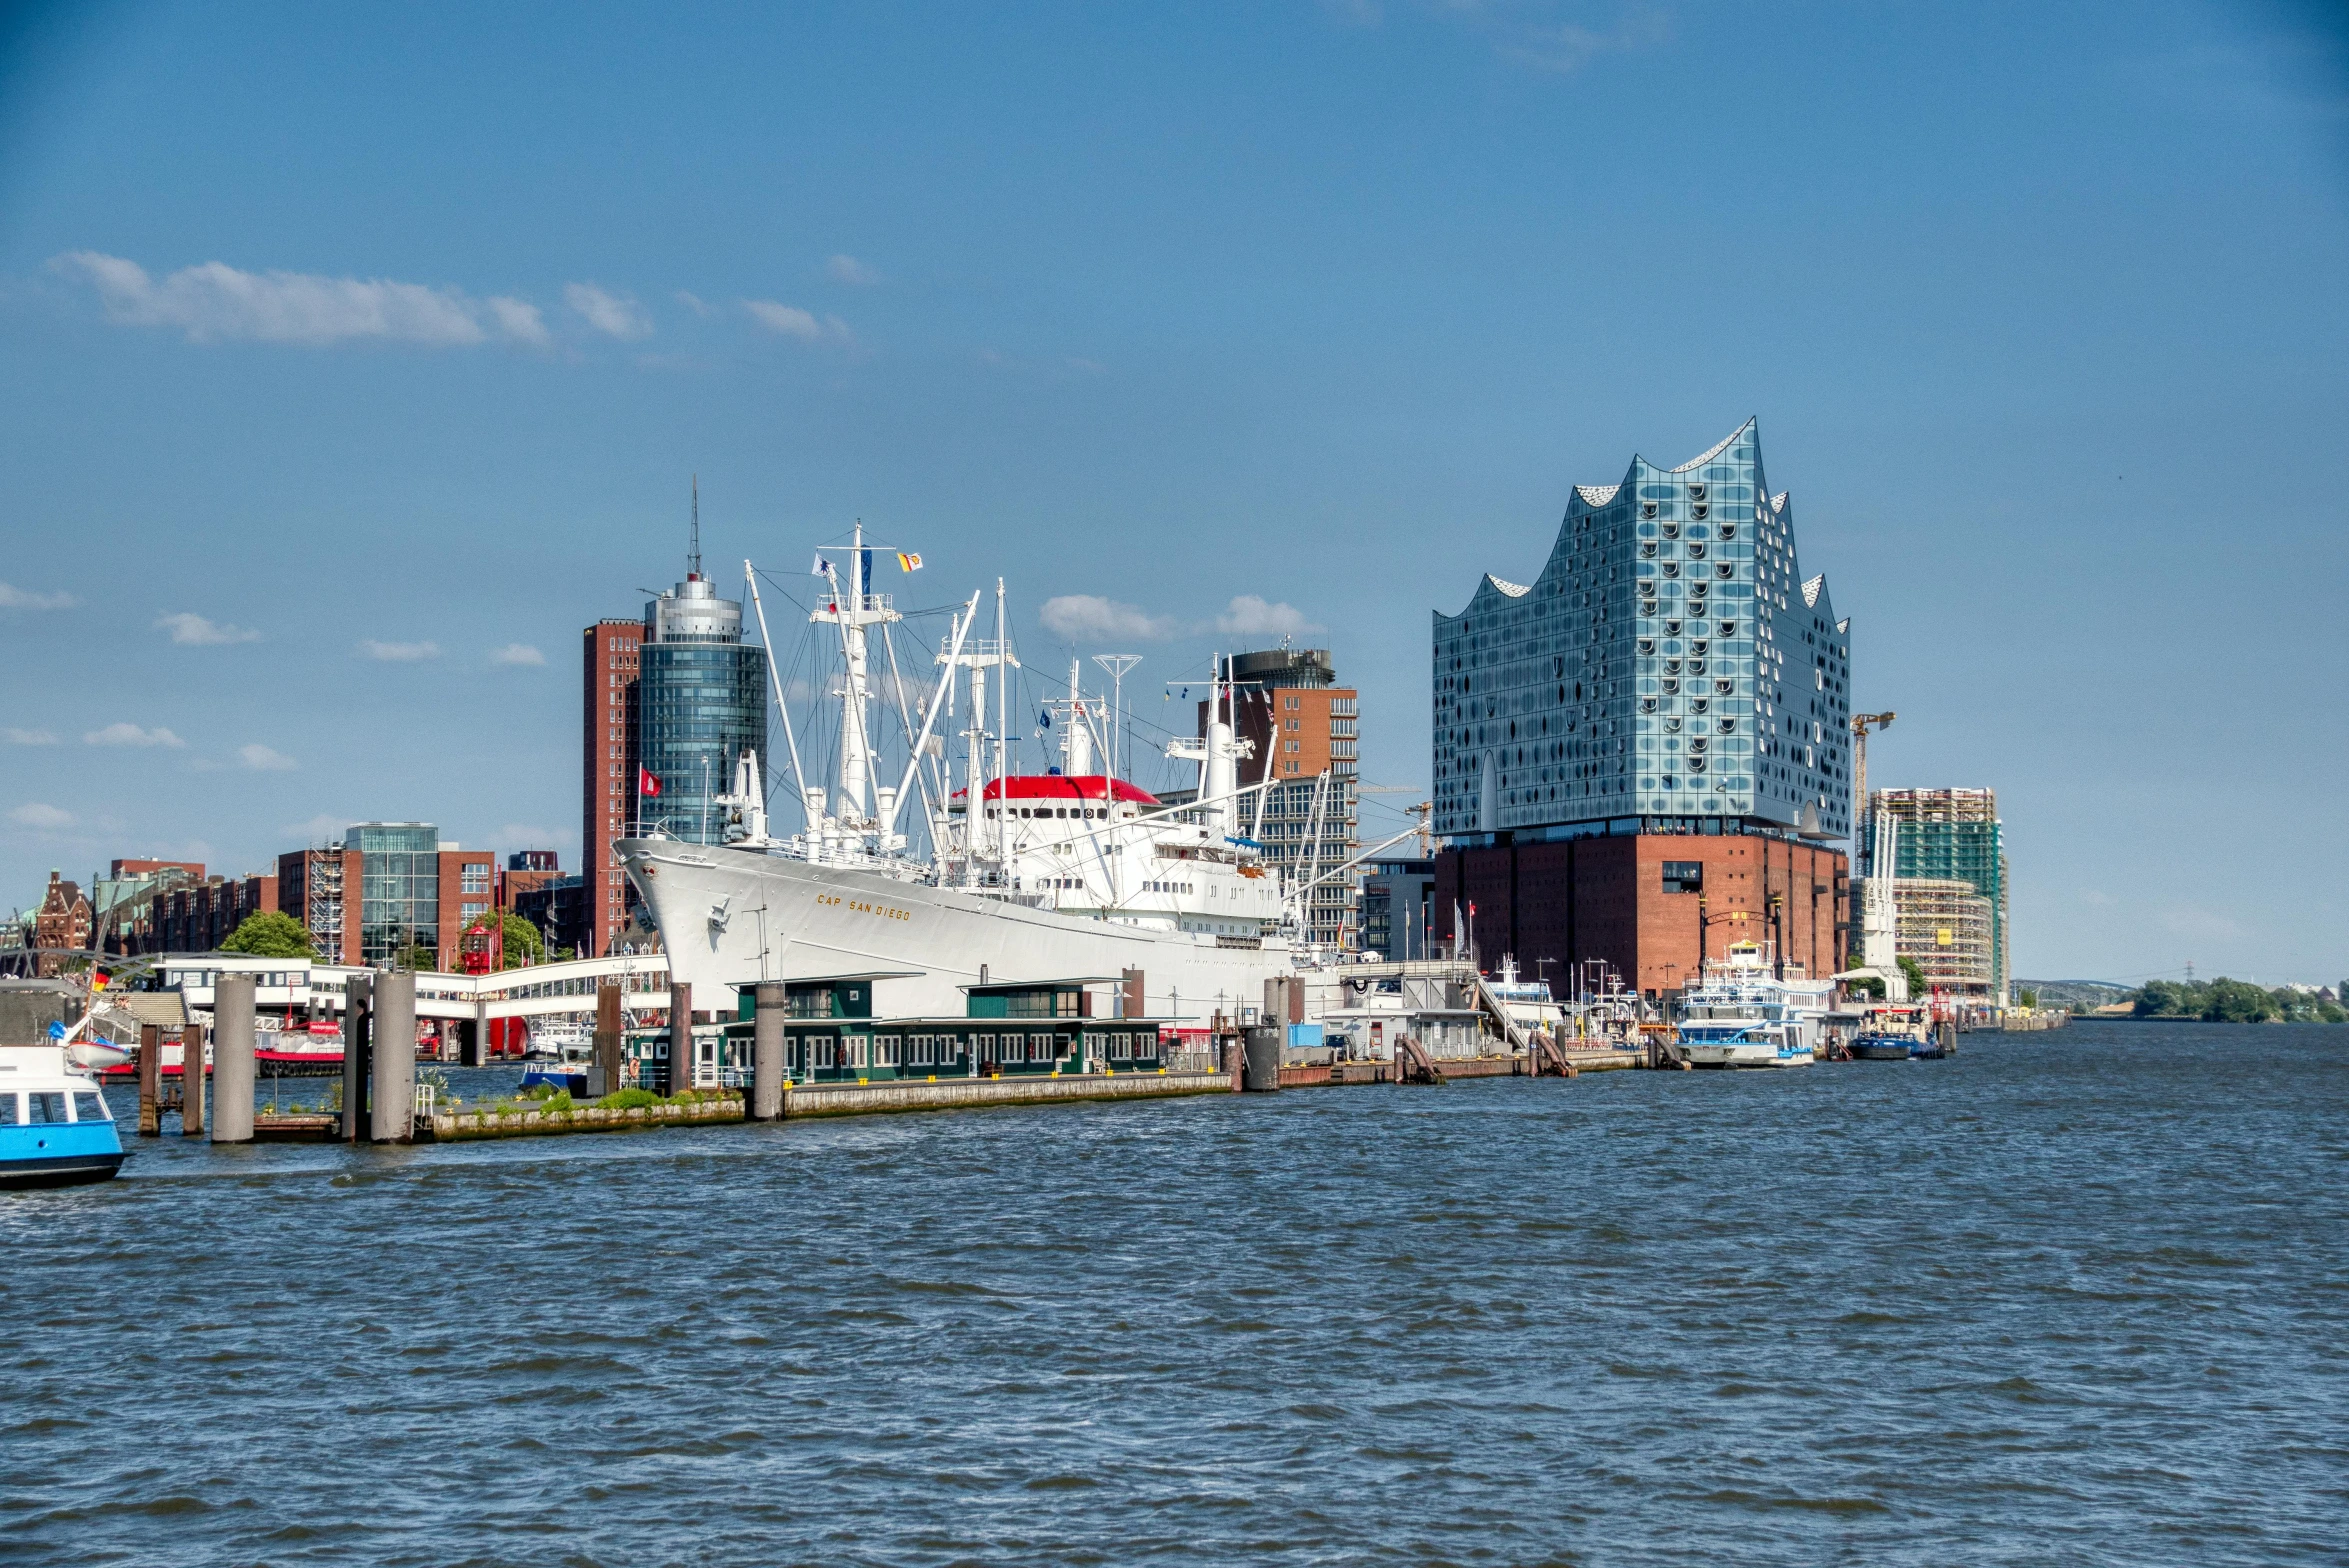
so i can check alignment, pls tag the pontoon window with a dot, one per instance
(45, 1106)
(89, 1106)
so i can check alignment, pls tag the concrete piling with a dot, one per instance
(680, 1037)
(358, 1032)
(1262, 1075)
(191, 1081)
(392, 1092)
(766, 1055)
(150, 1081)
(233, 1045)
(603, 1076)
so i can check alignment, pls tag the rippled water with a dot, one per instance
(2072, 1298)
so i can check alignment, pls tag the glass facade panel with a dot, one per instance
(1669, 660)
(399, 888)
(701, 702)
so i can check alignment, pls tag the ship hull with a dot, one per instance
(729, 917)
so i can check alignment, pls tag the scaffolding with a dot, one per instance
(1949, 930)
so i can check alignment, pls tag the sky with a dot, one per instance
(357, 357)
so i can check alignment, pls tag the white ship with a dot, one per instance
(1069, 874)
(1742, 1013)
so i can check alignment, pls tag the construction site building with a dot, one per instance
(1949, 835)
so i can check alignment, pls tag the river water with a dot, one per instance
(2070, 1298)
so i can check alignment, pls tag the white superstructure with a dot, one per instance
(1743, 1013)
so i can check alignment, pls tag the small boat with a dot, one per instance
(1926, 1050)
(558, 1058)
(1755, 1043)
(1882, 1048)
(55, 1130)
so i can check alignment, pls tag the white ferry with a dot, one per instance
(55, 1129)
(1073, 871)
(1743, 1012)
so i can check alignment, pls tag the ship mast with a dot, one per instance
(861, 806)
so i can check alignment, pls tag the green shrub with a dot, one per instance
(628, 1100)
(557, 1103)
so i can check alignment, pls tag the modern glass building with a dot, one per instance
(701, 702)
(1668, 670)
(399, 887)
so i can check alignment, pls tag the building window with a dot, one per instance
(1684, 876)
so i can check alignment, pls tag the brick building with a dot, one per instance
(62, 921)
(526, 870)
(310, 885)
(1304, 728)
(198, 916)
(1650, 905)
(411, 890)
(609, 692)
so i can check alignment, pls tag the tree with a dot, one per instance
(2238, 1002)
(1869, 986)
(270, 934)
(419, 959)
(1918, 985)
(2028, 998)
(520, 939)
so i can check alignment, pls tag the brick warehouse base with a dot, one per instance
(1605, 898)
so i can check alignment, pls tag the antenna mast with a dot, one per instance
(693, 559)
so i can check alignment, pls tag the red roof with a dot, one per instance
(1057, 786)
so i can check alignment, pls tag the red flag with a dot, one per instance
(646, 784)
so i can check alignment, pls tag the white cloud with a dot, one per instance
(693, 302)
(124, 734)
(399, 652)
(17, 737)
(614, 315)
(1089, 617)
(792, 322)
(35, 815)
(1249, 616)
(13, 598)
(195, 631)
(518, 319)
(847, 269)
(262, 759)
(517, 653)
(215, 301)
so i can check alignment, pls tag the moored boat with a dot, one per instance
(55, 1129)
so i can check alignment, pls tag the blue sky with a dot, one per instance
(359, 356)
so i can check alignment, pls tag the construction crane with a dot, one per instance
(1861, 723)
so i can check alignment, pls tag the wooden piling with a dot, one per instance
(680, 1037)
(609, 1039)
(233, 1044)
(191, 1081)
(150, 1081)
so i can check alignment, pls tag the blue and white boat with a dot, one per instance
(558, 1058)
(1744, 1012)
(55, 1129)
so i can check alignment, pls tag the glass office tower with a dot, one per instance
(399, 887)
(1669, 669)
(701, 702)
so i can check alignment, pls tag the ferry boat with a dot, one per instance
(1744, 1012)
(55, 1129)
(1030, 876)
